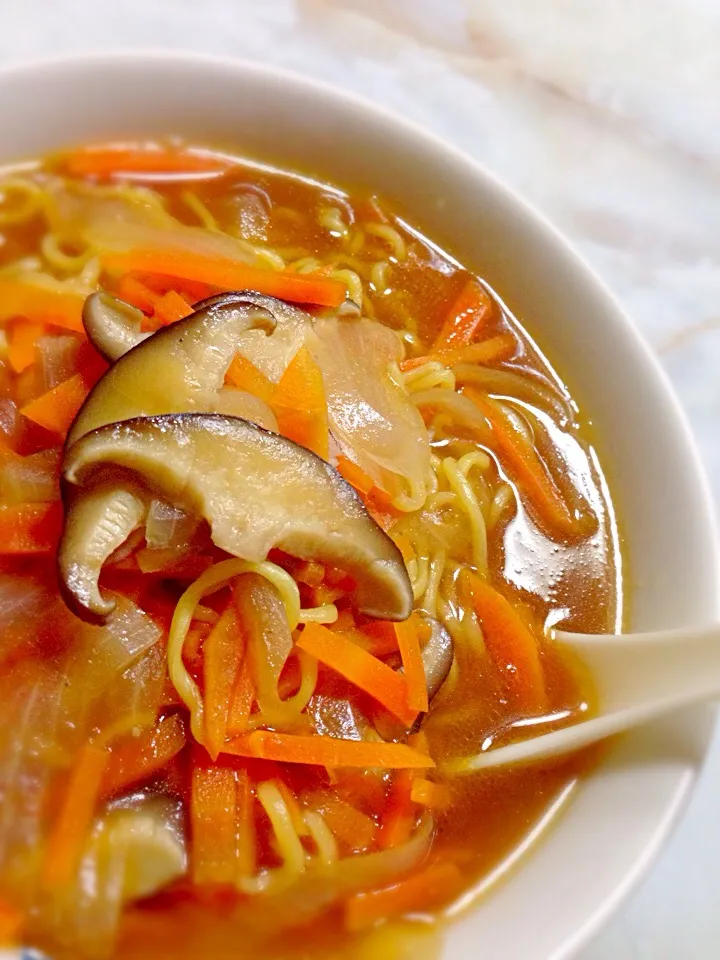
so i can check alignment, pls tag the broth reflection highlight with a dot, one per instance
(238, 731)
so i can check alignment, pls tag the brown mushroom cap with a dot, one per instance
(257, 490)
(179, 368)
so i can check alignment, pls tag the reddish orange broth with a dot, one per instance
(488, 816)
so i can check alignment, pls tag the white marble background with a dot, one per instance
(605, 113)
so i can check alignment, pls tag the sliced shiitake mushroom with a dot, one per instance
(179, 368)
(113, 326)
(437, 655)
(150, 834)
(96, 524)
(257, 490)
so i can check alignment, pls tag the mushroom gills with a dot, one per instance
(96, 524)
(257, 490)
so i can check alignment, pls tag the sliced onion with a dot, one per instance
(31, 479)
(521, 386)
(272, 354)
(167, 526)
(58, 358)
(371, 418)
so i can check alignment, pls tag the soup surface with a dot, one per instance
(222, 734)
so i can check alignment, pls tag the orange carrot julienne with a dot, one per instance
(28, 528)
(325, 751)
(310, 572)
(359, 667)
(171, 307)
(56, 409)
(379, 637)
(408, 639)
(465, 319)
(243, 697)
(354, 475)
(513, 648)
(525, 465)
(22, 345)
(214, 820)
(487, 351)
(139, 758)
(244, 375)
(134, 291)
(115, 160)
(21, 298)
(350, 826)
(222, 657)
(74, 819)
(427, 793)
(300, 406)
(228, 274)
(11, 920)
(399, 816)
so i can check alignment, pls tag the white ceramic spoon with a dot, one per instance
(637, 677)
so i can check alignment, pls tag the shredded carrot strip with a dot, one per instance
(487, 351)
(133, 291)
(29, 527)
(408, 639)
(511, 645)
(465, 319)
(399, 816)
(311, 572)
(426, 793)
(300, 406)
(172, 307)
(222, 657)
(325, 751)
(11, 920)
(140, 758)
(56, 409)
(113, 161)
(214, 821)
(359, 667)
(20, 298)
(429, 888)
(243, 697)
(354, 829)
(22, 346)
(379, 637)
(247, 840)
(377, 502)
(244, 375)
(524, 463)
(354, 475)
(228, 275)
(75, 816)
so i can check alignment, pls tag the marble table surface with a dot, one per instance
(606, 114)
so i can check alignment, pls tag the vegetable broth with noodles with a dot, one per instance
(146, 810)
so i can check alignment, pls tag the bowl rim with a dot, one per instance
(150, 57)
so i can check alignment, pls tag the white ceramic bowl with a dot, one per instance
(562, 890)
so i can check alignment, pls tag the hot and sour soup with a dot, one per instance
(217, 510)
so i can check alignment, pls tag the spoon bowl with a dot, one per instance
(637, 677)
